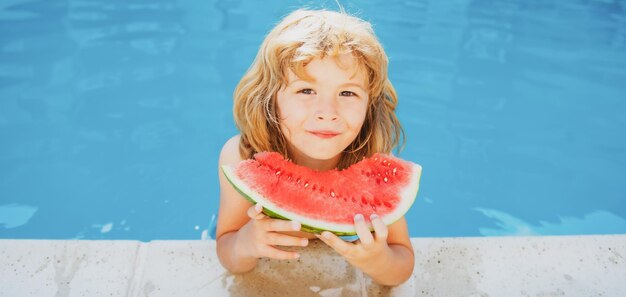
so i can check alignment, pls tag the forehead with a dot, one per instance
(344, 67)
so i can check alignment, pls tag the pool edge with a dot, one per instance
(470, 266)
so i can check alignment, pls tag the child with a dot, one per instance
(318, 93)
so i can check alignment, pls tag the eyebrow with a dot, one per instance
(348, 84)
(353, 84)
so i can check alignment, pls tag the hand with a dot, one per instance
(367, 248)
(258, 237)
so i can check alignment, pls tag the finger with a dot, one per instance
(255, 212)
(380, 229)
(274, 238)
(282, 225)
(274, 253)
(342, 247)
(365, 236)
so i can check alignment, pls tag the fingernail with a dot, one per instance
(326, 235)
(358, 217)
(258, 207)
(305, 242)
(297, 256)
(373, 216)
(295, 225)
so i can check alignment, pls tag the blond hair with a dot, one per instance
(299, 38)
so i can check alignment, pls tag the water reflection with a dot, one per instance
(597, 222)
(15, 215)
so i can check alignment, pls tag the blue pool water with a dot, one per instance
(112, 113)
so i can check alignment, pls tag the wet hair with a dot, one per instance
(300, 37)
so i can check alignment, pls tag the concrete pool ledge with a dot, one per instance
(475, 266)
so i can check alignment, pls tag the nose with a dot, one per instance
(326, 109)
(324, 117)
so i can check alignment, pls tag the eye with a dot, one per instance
(306, 91)
(348, 93)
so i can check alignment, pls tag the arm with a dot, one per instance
(243, 233)
(387, 256)
(230, 218)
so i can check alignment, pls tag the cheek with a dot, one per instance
(356, 118)
(282, 106)
(291, 112)
(287, 117)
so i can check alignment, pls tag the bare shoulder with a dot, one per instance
(230, 151)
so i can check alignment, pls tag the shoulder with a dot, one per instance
(230, 151)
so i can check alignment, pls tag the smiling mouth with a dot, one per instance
(324, 134)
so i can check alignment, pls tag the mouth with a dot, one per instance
(324, 134)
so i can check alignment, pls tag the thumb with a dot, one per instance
(255, 212)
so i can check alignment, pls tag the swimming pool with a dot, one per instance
(112, 114)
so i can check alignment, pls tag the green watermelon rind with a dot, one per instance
(408, 197)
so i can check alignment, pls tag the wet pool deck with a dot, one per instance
(481, 266)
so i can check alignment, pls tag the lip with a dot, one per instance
(324, 133)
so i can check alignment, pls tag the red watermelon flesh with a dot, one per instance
(328, 200)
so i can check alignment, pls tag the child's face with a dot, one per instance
(321, 118)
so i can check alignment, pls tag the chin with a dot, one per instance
(321, 153)
(321, 156)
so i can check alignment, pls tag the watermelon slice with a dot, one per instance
(327, 200)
